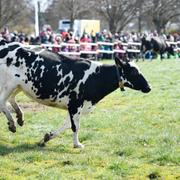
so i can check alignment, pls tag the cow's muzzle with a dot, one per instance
(146, 90)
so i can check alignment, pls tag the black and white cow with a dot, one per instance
(157, 45)
(59, 81)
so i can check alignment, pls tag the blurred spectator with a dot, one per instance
(85, 47)
(57, 41)
(5, 34)
(118, 46)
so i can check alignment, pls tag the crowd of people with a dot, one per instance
(48, 36)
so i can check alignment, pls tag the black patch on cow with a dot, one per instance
(66, 82)
(9, 61)
(17, 64)
(29, 56)
(4, 52)
(73, 106)
(106, 81)
(3, 42)
(17, 75)
(46, 54)
(13, 47)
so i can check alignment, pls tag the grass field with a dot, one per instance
(128, 135)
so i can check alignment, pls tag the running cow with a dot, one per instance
(157, 45)
(58, 81)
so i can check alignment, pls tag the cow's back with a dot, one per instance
(159, 44)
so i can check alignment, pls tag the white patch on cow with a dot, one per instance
(42, 70)
(16, 43)
(59, 72)
(87, 73)
(87, 107)
(70, 75)
(63, 102)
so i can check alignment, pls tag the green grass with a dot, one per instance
(128, 135)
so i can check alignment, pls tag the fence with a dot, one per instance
(97, 48)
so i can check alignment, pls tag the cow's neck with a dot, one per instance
(107, 82)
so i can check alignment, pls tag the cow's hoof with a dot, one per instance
(79, 145)
(12, 129)
(20, 122)
(47, 137)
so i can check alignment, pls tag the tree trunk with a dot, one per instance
(158, 28)
(157, 24)
(112, 26)
(139, 23)
(71, 22)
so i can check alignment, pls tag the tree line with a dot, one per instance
(115, 15)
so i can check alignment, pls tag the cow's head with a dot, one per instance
(146, 44)
(132, 77)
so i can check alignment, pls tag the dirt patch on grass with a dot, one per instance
(32, 107)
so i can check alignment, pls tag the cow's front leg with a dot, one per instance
(75, 125)
(76, 142)
(52, 135)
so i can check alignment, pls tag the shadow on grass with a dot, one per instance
(7, 149)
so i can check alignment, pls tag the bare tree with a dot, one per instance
(68, 9)
(13, 12)
(9, 10)
(162, 12)
(141, 10)
(118, 13)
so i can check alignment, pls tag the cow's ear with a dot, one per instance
(119, 62)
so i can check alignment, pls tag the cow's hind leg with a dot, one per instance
(51, 135)
(19, 114)
(10, 119)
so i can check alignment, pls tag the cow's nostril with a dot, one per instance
(146, 90)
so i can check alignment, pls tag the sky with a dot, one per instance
(43, 3)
